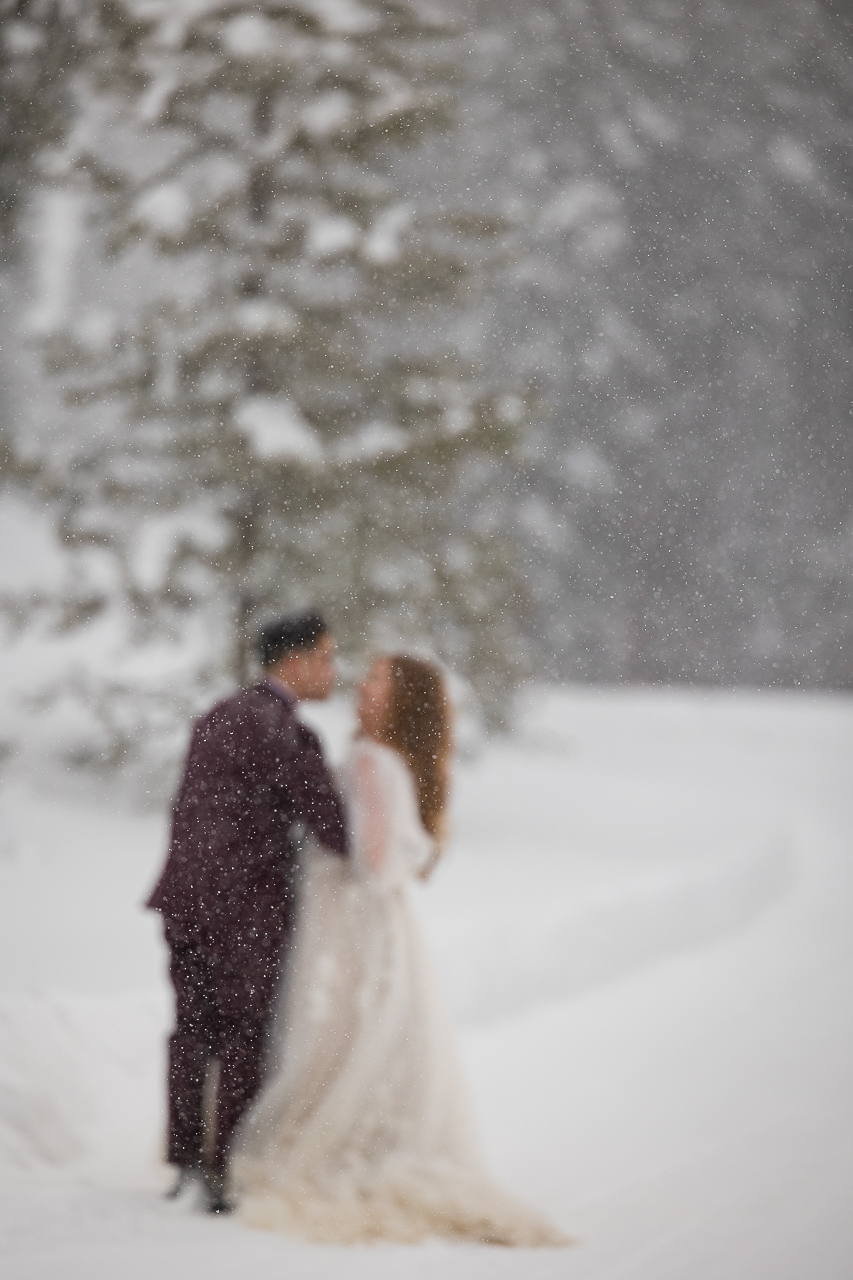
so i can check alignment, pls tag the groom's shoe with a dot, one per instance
(216, 1202)
(190, 1191)
(184, 1179)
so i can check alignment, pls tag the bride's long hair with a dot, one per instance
(419, 727)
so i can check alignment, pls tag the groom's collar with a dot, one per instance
(281, 690)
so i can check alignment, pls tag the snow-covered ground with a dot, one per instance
(644, 931)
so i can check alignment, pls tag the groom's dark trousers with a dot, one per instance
(254, 779)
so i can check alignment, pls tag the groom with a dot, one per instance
(254, 782)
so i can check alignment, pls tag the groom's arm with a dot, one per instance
(316, 802)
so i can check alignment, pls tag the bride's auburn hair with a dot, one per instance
(419, 727)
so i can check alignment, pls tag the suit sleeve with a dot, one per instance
(317, 802)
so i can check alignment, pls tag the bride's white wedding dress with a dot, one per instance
(363, 1131)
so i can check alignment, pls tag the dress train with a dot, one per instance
(363, 1131)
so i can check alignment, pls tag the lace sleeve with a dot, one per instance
(371, 805)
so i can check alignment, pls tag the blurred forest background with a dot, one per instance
(520, 329)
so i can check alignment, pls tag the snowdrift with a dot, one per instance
(573, 863)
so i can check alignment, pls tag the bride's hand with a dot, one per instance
(430, 864)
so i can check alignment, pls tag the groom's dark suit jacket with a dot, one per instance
(254, 775)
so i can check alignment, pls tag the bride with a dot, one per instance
(363, 1129)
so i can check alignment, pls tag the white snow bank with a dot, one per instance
(80, 1083)
(690, 1117)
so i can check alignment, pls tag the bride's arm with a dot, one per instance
(370, 812)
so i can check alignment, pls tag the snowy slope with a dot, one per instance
(644, 930)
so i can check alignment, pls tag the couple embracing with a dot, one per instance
(313, 1084)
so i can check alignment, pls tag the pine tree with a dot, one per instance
(38, 49)
(275, 402)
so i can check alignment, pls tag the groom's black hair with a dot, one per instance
(286, 635)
